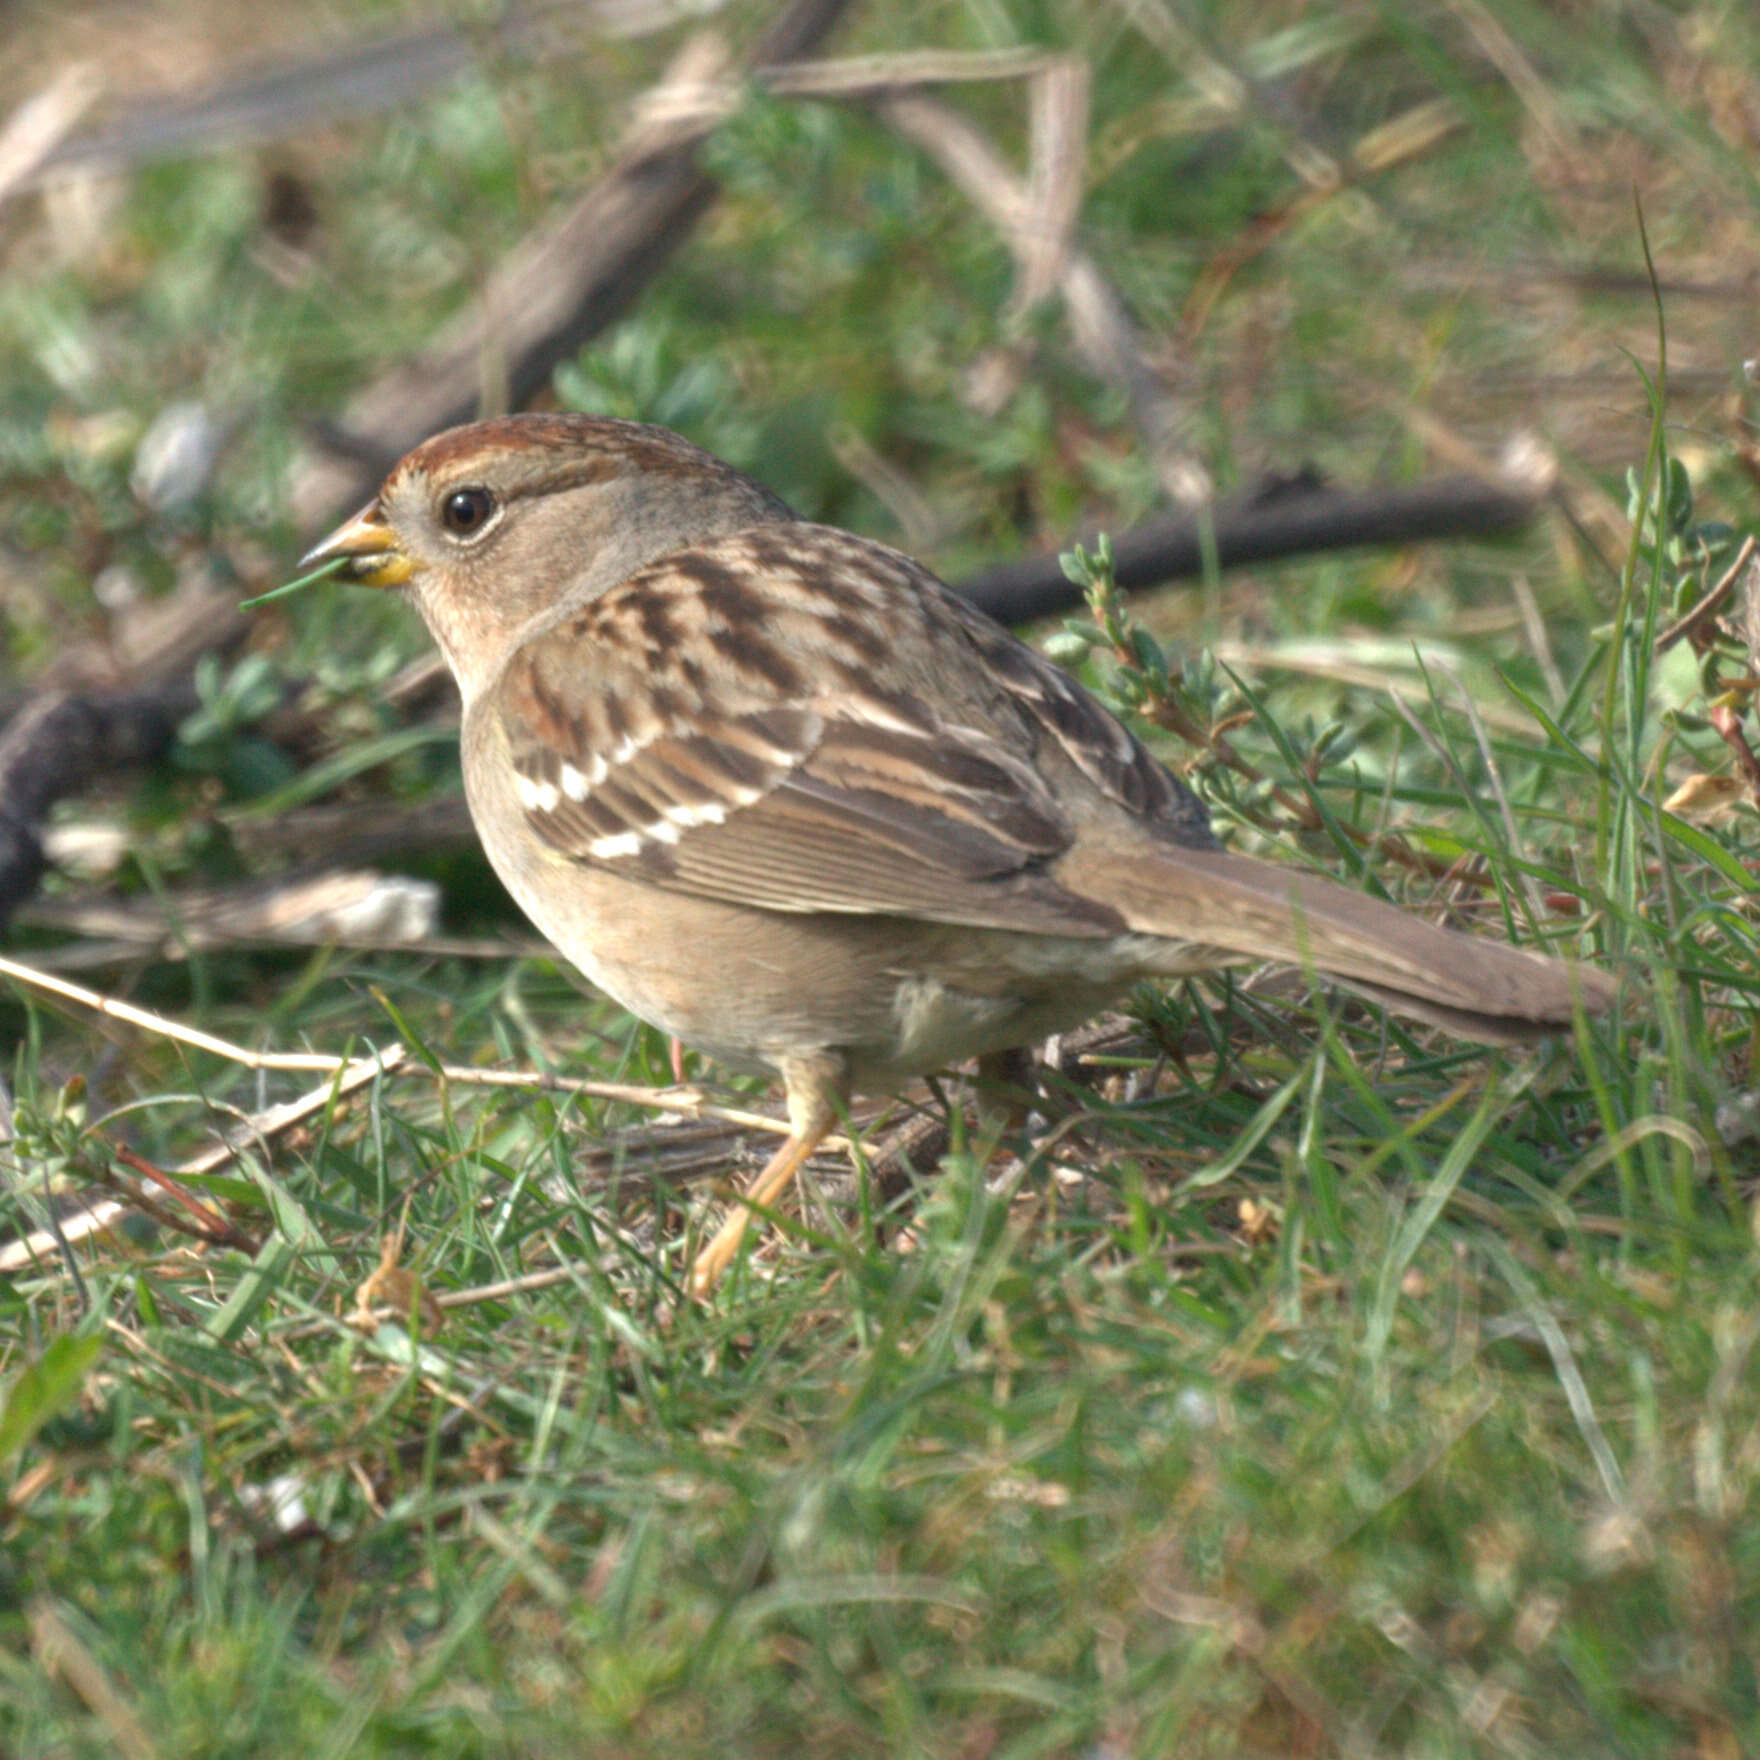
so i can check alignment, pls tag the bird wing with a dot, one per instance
(816, 764)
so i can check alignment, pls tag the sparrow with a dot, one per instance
(780, 792)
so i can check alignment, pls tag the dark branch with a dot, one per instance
(1291, 517)
(56, 746)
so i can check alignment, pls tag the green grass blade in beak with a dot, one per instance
(328, 572)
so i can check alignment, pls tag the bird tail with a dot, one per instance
(1472, 985)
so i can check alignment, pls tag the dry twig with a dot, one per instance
(345, 1076)
(562, 285)
(1105, 335)
(1694, 619)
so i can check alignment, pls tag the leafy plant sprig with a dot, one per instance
(1711, 584)
(1197, 704)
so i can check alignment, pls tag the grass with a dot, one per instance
(1324, 1387)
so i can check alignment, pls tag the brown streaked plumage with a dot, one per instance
(778, 791)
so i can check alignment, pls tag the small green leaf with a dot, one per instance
(1679, 496)
(1149, 656)
(46, 1389)
(1065, 648)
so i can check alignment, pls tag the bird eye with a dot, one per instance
(466, 511)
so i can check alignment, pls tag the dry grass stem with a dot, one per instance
(113, 1009)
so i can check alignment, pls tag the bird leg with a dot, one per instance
(1007, 1081)
(815, 1086)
